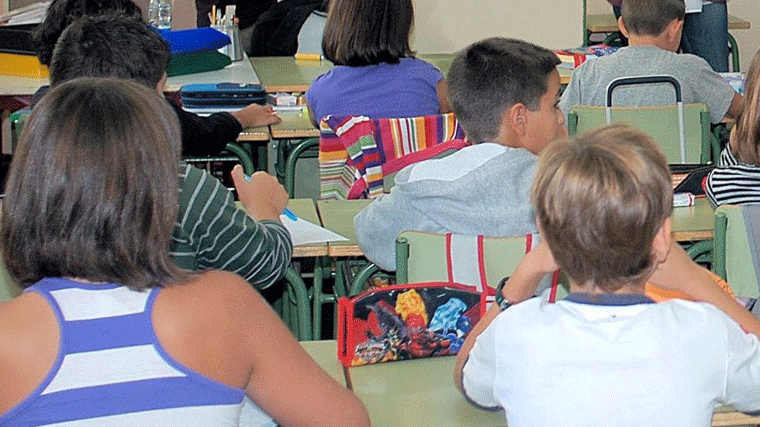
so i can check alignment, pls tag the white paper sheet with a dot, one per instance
(304, 232)
(693, 6)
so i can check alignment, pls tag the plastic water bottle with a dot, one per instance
(160, 14)
(153, 12)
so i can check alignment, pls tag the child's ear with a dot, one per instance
(662, 241)
(621, 27)
(161, 85)
(674, 31)
(516, 119)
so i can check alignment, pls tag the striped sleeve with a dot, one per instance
(213, 233)
(733, 182)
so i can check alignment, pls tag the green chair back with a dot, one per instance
(8, 288)
(732, 256)
(423, 257)
(661, 123)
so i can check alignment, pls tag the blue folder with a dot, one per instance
(195, 40)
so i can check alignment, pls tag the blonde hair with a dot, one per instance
(745, 139)
(600, 200)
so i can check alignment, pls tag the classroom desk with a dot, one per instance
(338, 216)
(237, 72)
(606, 23)
(295, 125)
(422, 392)
(325, 353)
(286, 74)
(690, 223)
(305, 209)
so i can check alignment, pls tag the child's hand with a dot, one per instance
(541, 259)
(263, 197)
(677, 270)
(534, 266)
(257, 115)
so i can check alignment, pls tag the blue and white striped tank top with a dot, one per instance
(111, 369)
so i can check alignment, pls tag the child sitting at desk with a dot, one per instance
(735, 180)
(653, 28)
(109, 331)
(607, 354)
(376, 73)
(504, 93)
(211, 232)
(201, 136)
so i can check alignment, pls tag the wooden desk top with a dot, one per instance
(424, 394)
(694, 222)
(417, 393)
(304, 208)
(286, 74)
(258, 134)
(606, 23)
(338, 216)
(689, 223)
(295, 125)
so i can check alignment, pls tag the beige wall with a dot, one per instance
(448, 25)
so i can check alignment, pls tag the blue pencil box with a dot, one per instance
(222, 94)
(195, 40)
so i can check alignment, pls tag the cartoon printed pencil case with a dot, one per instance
(406, 321)
(222, 94)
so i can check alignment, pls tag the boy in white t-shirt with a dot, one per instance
(607, 354)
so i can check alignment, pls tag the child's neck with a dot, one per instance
(630, 289)
(659, 41)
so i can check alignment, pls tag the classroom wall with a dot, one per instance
(449, 25)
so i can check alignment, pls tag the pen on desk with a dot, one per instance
(288, 213)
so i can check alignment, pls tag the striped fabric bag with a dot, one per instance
(358, 154)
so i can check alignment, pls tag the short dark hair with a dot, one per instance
(492, 75)
(368, 32)
(61, 13)
(600, 200)
(651, 17)
(92, 189)
(110, 46)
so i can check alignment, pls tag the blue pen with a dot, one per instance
(288, 213)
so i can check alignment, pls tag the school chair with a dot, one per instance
(736, 248)
(682, 131)
(8, 287)
(17, 120)
(294, 307)
(233, 152)
(359, 156)
(470, 260)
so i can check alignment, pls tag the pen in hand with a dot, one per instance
(287, 212)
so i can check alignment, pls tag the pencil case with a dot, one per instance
(408, 321)
(222, 94)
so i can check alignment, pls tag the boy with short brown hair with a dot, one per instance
(607, 354)
(653, 28)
